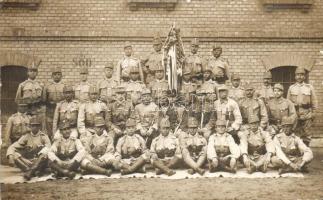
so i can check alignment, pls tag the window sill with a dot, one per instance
(303, 5)
(26, 4)
(167, 4)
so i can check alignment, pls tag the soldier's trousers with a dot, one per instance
(302, 130)
(49, 122)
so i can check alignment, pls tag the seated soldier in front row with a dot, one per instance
(193, 147)
(131, 150)
(256, 147)
(29, 153)
(292, 154)
(99, 156)
(66, 153)
(165, 150)
(222, 151)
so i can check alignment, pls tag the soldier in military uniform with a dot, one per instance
(146, 115)
(87, 113)
(236, 92)
(54, 94)
(250, 106)
(222, 151)
(219, 65)
(107, 85)
(193, 146)
(279, 107)
(266, 91)
(17, 125)
(66, 111)
(291, 152)
(82, 88)
(99, 157)
(304, 98)
(188, 88)
(118, 113)
(131, 150)
(165, 150)
(195, 63)
(134, 86)
(66, 153)
(29, 153)
(32, 91)
(258, 147)
(153, 61)
(126, 63)
(159, 86)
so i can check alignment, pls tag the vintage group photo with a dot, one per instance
(161, 99)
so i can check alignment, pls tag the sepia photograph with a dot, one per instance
(161, 99)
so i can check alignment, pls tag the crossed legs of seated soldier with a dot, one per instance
(165, 165)
(196, 164)
(223, 163)
(132, 165)
(256, 163)
(295, 165)
(104, 165)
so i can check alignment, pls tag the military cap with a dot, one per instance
(287, 121)
(192, 122)
(235, 76)
(109, 65)
(201, 91)
(220, 122)
(279, 86)
(68, 88)
(99, 121)
(130, 122)
(145, 91)
(84, 70)
(93, 90)
(134, 69)
(195, 42)
(157, 40)
(33, 66)
(159, 66)
(253, 119)
(215, 46)
(207, 68)
(120, 89)
(22, 102)
(267, 75)
(34, 120)
(249, 86)
(164, 122)
(300, 70)
(64, 125)
(222, 87)
(56, 69)
(186, 71)
(127, 44)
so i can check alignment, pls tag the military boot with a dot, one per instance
(21, 165)
(35, 166)
(138, 163)
(163, 168)
(98, 170)
(61, 171)
(173, 162)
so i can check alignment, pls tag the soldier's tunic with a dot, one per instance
(257, 144)
(106, 89)
(87, 113)
(82, 91)
(219, 67)
(32, 91)
(123, 68)
(174, 114)
(17, 126)
(165, 148)
(70, 149)
(99, 147)
(194, 147)
(130, 148)
(279, 108)
(194, 63)
(146, 116)
(53, 94)
(251, 107)
(186, 89)
(220, 146)
(291, 149)
(265, 93)
(150, 64)
(236, 93)
(304, 98)
(133, 90)
(158, 88)
(30, 146)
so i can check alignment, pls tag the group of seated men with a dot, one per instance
(200, 127)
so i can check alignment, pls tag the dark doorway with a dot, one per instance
(285, 75)
(11, 76)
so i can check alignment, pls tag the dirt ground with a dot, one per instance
(308, 188)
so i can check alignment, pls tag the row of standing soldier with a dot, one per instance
(127, 97)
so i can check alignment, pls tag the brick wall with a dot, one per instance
(60, 31)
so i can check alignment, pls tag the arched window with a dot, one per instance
(11, 76)
(286, 76)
